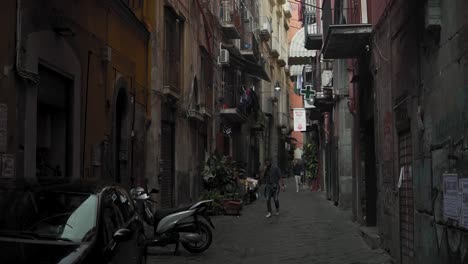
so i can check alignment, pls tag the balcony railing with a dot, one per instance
(230, 19)
(348, 34)
(265, 28)
(249, 46)
(313, 30)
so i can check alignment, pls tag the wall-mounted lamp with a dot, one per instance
(277, 86)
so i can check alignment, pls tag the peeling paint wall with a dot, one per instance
(421, 84)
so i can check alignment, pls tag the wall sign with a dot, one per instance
(300, 119)
(451, 202)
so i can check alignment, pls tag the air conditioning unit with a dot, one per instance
(246, 15)
(265, 27)
(433, 15)
(327, 78)
(107, 54)
(223, 56)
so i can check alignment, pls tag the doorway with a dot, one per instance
(370, 175)
(167, 181)
(406, 198)
(54, 122)
(121, 138)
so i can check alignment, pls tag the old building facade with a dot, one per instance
(80, 84)
(397, 125)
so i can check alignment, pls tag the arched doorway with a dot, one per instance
(121, 155)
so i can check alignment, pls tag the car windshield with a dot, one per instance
(48, 215)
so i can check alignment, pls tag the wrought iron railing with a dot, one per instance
(312, 24)
(229, 13)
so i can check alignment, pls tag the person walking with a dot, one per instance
(298, 171)
(272, 178)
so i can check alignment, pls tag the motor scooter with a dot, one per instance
(187, 225)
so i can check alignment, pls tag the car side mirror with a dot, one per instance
(154, 191)
(122, 235)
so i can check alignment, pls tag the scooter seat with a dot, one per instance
(161, 213)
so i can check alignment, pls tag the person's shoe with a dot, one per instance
(277, 213)
(268, 215)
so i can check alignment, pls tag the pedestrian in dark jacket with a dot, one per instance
(272, 178)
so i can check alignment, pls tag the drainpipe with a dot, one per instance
(34, 78)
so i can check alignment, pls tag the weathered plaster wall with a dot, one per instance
(408, 62)
(8, 89)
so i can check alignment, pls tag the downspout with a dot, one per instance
(34, 78)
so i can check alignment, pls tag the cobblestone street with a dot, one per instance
(309, 230)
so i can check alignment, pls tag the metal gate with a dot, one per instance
(167, 165)
(406, 199)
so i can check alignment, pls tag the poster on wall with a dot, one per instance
(300, 119)
(7, 166)
(451, 198)
(464, 203)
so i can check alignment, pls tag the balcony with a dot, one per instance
(348, 40)
(249, 47)
(236, 105)
(275, 47)
(229, 19)
(265, 28)
(283, 57)
(171, 87)
(313, 30)
(233, 116)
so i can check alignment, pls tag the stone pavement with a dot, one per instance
(309, 230)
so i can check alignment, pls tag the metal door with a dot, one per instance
(167, 165)
(406, 199)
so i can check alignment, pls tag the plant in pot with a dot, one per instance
(220, 175)
(310, 162)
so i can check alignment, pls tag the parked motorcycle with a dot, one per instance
(174, 225)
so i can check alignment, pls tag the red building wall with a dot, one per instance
(295, 101)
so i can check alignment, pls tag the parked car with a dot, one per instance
(73, 223)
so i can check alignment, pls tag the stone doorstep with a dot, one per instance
(370, 236)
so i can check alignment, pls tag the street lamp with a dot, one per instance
(277, 86)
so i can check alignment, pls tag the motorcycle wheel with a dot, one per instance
(197, 247)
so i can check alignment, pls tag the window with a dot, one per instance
(172, 48)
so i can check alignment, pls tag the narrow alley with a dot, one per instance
(310, 229)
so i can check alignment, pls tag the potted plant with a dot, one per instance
(310, 162)
(220, 175)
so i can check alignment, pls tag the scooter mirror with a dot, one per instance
(154, 191)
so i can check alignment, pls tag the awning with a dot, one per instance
(298, 54)
(249, 67)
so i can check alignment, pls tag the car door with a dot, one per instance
(132, 221)
(115, 217)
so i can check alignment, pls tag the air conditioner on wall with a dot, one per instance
(433, 15)
(245, 15)
(223, 56)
